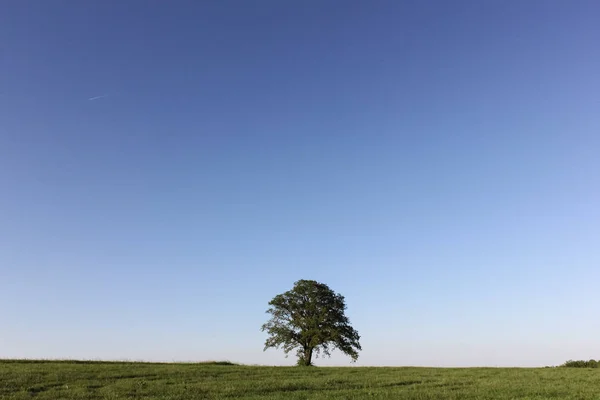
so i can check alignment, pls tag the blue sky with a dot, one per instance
(165, 170)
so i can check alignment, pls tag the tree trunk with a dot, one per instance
(308, 356)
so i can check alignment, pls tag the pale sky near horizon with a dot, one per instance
(166, 168)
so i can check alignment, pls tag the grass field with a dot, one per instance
(98, 380)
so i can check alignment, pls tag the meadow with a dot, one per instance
(124, 380)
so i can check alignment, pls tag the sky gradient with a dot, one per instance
(166, 169)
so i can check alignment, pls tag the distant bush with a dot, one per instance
(580, 364)
(216, 363)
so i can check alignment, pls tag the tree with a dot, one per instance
(310, 318)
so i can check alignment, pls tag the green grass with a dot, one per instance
(100, 380)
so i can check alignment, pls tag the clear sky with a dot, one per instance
(166, 168)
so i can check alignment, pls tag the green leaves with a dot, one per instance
(310, 318)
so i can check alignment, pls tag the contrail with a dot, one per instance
(97, 97)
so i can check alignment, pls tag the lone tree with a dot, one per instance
(311, 319)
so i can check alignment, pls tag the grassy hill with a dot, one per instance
(120, 380)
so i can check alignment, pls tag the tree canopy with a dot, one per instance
(311, 319)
